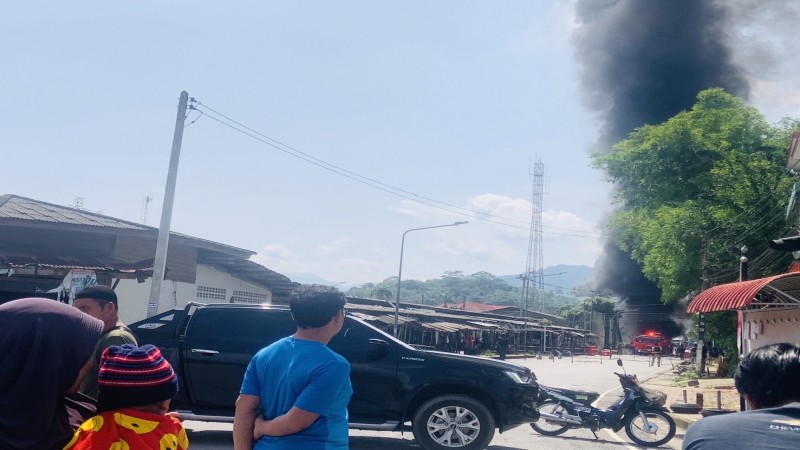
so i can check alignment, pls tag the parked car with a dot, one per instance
(448, 400)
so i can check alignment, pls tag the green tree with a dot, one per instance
(695, 188)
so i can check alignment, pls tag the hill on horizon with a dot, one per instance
(563, 277)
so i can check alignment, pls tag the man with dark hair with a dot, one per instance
(101, 303)
(295, 391)
(769, 380)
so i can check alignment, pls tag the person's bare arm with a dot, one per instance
(247, 410)
(294, 420)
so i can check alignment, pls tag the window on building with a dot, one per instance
(249, 297)
(207, 292)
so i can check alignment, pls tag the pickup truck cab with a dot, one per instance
(450, 400)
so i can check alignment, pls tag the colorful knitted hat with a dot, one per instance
(134, 376)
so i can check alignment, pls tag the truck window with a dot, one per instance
(230, 330)
(353, 341)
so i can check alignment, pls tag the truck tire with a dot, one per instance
(453, 421)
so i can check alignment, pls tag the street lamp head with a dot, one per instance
(460, 223)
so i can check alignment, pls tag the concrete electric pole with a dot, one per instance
(160, 264)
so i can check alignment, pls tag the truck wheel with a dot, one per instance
(453, 421)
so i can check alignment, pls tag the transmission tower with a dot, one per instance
(145, 202)
(533, 278)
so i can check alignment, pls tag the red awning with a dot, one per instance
(738, 295)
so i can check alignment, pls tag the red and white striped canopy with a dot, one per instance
(741, 294)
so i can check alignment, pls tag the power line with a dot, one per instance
(254, 134)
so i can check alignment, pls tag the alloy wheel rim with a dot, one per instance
(453, 426)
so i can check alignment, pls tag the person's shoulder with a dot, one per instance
(119, 335)
(740, 419)
(710, 426)
(274, 347)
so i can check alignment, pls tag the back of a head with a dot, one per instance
(313, 306)
(770, 375)
(133, 376)
(43, 346)
(103, 294)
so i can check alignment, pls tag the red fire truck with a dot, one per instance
(644, 343)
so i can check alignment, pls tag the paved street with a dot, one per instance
(583, 373)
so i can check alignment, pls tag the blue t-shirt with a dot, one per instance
(308, 375)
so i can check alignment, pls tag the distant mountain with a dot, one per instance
(310, 278)
(564, 277)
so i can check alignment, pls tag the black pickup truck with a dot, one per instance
(450, 400)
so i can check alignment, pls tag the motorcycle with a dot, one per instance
(643, 415)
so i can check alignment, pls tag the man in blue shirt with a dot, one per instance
(295, 391)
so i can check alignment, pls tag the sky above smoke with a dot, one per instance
(447, 100)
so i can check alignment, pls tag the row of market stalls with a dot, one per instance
(468, 333)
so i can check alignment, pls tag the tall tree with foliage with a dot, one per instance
(692, 190)
(695, 189)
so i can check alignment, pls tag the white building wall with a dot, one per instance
(760, 328)
(211, 286)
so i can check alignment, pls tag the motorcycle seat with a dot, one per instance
(585, 397)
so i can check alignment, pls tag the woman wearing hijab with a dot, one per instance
(45, 351)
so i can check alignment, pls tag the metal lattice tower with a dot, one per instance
(533, 278)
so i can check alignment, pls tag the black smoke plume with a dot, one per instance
(642, 62)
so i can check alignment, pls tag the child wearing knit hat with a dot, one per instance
(136, 385)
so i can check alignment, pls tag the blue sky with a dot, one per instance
(447, 100)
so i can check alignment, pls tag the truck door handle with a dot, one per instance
(205, 352)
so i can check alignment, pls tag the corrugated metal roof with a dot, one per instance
(362, 316)
(55, 262)
(446, 327)
(390, 320)
(15, 207)
(741, 294)
(280, 285)
(484, 324)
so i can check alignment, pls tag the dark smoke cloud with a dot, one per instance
(642, 62)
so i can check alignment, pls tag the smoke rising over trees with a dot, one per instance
(642, 62)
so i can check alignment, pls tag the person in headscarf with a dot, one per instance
(45, 352)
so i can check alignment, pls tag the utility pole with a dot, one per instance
(160, 264)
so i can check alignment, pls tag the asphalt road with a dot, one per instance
(587, 373)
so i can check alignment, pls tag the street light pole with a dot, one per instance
(400, 271)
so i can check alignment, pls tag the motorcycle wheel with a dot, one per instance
(662, 428)
(546, 427)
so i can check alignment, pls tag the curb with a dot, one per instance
(681, 422)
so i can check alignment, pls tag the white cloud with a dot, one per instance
(337, 245)
(776, 98)
(478, 246)
(278, 258)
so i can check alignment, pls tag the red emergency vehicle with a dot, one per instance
(644, 343)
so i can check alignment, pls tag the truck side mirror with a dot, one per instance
(377, 349)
